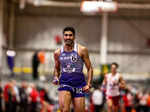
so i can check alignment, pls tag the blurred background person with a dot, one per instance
(128, 101)
(15, 96)
(148, 102)
(8, 97)
(35, 65)
(34, 98)
(46, 103)
(113, 82)
(143, 97)
(41, 58)
(23, 97)
(1, 97)
(98, 100)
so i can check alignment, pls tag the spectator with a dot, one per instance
(143, 102)
(7, 97)
(1, 98)
(15, 96)
(23, 97)
(34, 95)
(35, 64)
(128, 101)
(98, 99)
(148, 102)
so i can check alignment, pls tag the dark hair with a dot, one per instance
(69, 29)
(116, 64)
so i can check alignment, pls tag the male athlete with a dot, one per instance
(69, 61)
(113, 82)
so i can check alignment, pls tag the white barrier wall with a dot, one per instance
(127, 38)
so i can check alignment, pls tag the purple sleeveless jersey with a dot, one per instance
(71, 68)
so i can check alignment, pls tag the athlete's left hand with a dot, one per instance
(86, 88)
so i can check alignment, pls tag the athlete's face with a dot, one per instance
(68, 38)
(113, 68)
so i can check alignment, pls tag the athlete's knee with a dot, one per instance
(79, 110)
(66, 110)
(61, 106)
(109, 103)
(110, 106)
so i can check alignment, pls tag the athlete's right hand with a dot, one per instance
(86, 88)
(55, 80)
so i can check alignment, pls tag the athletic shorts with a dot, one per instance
(75, 92)
(115, 99)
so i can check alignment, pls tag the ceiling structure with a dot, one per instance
(78, 1)
(135, 4)
(141, 7)
(119, 1)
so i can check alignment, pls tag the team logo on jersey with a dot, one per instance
(74, 58)
(69, 69)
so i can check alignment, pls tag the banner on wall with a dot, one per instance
(10, 60)
(105, 68)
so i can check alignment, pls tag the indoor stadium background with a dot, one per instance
(26, 27)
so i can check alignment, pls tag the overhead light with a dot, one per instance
(89, 7)
(92, 7)
(108, 6)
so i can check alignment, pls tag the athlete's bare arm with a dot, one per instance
(57, 65)
(85, 56)
(105, 80)
(104, 83)
(122, 83)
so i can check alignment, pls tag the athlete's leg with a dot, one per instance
(116, 104)
(64, 101)
(115, 108)
(79, 104)
(109, 105)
